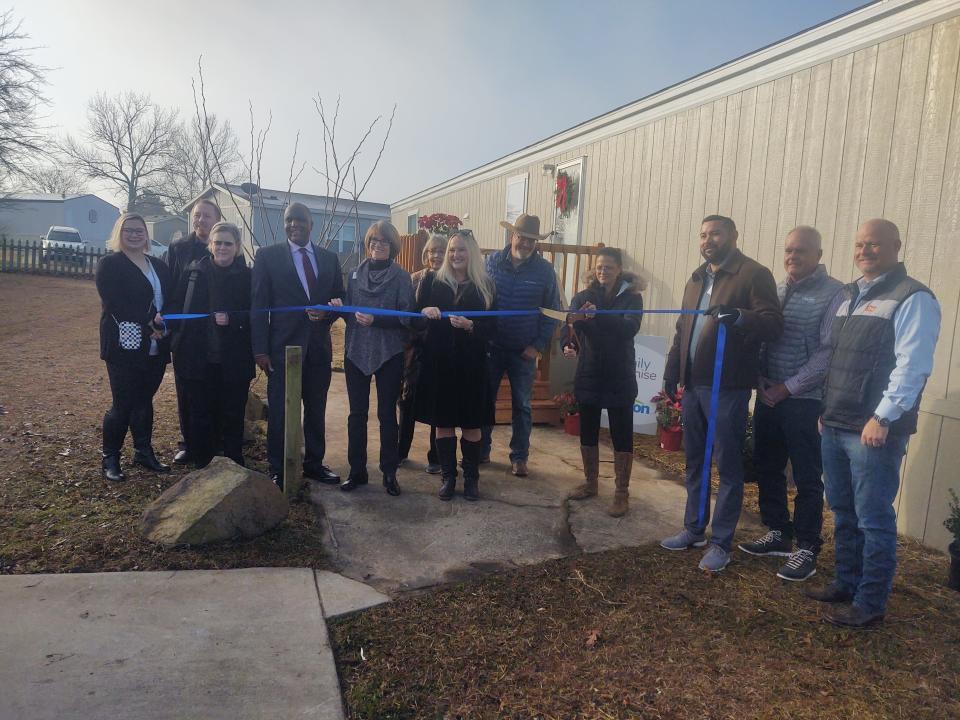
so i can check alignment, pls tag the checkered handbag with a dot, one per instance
(130, 335)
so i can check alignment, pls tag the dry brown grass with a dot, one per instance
(57, 513)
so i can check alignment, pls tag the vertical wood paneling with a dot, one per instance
(689, 181)
(814, 135)
(854, 154)
(663, 295)
(653, 248)
(828, 192)
(773, 174)
(634, 240)
(918, 473)
(728, 168)
(749, 224)
(701, 174)
(931, 155)
(945, 274)
(741, 181)
(672, 219)
(718, 126)
(792, 159)
(883, 113)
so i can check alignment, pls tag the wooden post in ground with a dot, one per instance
(292, 426)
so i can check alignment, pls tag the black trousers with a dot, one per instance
(316, 383)
(788, 431)
(215, 411)
(621, 426)
(183, 403)
(132, 388)
(389, 378)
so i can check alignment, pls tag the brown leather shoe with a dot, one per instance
(519, 468)
(829, 594)
(851, 616)
(591, 472)
(623, 466)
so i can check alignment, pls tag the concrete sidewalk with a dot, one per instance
(231, 644)
(417, 540)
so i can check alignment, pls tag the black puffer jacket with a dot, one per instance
(606, 369)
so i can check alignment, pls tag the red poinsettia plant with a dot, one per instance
(669, 410)
(439, 223)
(567, 403)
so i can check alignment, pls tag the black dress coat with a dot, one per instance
(452, 387)
(216, 289)
(127, 296)
(606, 368)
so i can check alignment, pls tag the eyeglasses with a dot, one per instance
(465, 233)
(379, 242)
(135, 232)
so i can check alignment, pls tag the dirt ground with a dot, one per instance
(57, 513)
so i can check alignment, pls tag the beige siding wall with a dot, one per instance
(875, 132)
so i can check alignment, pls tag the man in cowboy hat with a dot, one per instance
(524, 281)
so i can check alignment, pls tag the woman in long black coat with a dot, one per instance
(450, 390)
(134, 289)
(606, 372)
(213, 357)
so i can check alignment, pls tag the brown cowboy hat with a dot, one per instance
(527, 226)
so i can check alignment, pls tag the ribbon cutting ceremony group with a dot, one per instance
(837, 371)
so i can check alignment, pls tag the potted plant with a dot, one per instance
(442, 223)
(952, 523)
(669, 419)
(570, 412)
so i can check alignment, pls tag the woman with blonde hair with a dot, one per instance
(431, 258)
(451, 393)
(374, 348)
(133, 289)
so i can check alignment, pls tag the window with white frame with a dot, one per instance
(412, 222)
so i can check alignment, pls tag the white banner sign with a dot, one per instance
(651, 354)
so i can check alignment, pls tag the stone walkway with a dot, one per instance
(416, 540)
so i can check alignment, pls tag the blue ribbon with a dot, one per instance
(711, 423)
(717, 362)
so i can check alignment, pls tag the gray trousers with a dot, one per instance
(731, 430)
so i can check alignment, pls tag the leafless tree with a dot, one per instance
(54, 178)
(21, 96)
(129, 141)
(193, 167)
(340, 166)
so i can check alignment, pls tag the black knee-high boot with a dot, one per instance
(471, 468)
(447, 454)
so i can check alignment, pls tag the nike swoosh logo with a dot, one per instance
(724, 315)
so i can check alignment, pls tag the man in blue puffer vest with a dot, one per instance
(524, 281)
(793, 369)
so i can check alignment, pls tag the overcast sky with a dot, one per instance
(472, 81)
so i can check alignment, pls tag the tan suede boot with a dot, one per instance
(591, 471)
(623, 465)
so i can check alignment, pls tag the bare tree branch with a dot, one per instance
(56, 179)
(128, 141)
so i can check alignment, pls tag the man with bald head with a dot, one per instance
(789, 394)
(295, 273)
(883, 340)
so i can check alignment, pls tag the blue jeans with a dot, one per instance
(727, 452)
(861, 485)
(520, 372)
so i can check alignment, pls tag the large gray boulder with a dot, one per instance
(221, 502)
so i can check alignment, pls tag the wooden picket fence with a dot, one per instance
(30, 257)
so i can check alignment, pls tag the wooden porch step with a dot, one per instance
(544, 409)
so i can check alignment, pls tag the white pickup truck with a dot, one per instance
(63, 243)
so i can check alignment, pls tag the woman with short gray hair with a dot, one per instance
(374, 348)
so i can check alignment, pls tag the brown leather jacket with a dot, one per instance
(742, 283)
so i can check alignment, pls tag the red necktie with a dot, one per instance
(308, 272)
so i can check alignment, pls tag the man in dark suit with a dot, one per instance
(296, 272)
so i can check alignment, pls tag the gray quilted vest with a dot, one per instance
(803, 305)
(863, 354)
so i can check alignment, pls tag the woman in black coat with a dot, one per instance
(133, 288)
(213, 357)
(606, 372)
(450, 391)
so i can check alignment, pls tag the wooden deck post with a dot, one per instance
(293, 421)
